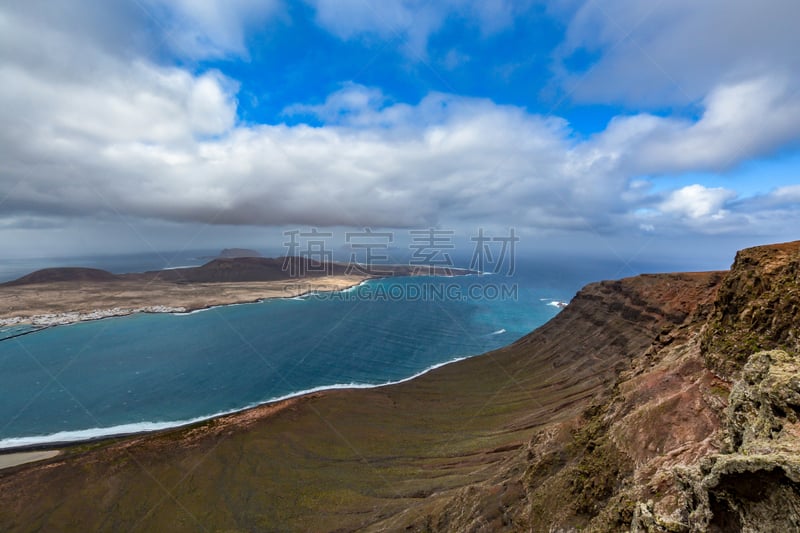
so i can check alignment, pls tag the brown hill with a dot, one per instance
(235, 269)
(242, 269)
(232, 253)
(49, 275)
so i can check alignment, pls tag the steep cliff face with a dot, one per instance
(701, 433)
(570, 473)
(757, 308)
(589, 470)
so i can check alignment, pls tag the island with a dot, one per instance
(56, 296)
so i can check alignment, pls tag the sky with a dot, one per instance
(623, 128)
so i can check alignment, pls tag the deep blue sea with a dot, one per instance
(151, 371)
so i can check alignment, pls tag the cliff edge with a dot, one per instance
(701, 432)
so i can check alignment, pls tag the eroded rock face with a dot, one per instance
(754, 485)
(702, 432)
(764, 405)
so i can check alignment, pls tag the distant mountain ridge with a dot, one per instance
(233, 253)
(236, 269)
(50, 275)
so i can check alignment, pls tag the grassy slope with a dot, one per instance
(351, 459)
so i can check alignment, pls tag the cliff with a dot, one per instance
(757, 307)
(639, 407)
(700, 432)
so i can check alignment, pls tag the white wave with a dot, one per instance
(354, 287)
(145, 427)
(187, 313)
(498, 332)
(177, 267)
(92, 433)
(558, 303)
(209, 308)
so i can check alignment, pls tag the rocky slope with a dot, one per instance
(757, 308)
(701, 432)
(640, 407)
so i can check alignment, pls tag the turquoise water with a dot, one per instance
(145, 372)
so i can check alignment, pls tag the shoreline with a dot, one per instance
(163, 427)
(65, 319)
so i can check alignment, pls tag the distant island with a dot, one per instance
(55, 296)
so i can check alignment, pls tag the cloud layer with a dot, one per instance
(121, 133)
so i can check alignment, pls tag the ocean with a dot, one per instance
(152, 371)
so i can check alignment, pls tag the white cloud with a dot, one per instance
(210, 28)
(698, 202)
(412, 22)
(784, 199)
(657, 53)
(351, 103)
(789, 194)
(739, 122)
(137, 102)
(137, 143)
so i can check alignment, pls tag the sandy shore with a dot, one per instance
(48, 304)
(14, 459)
